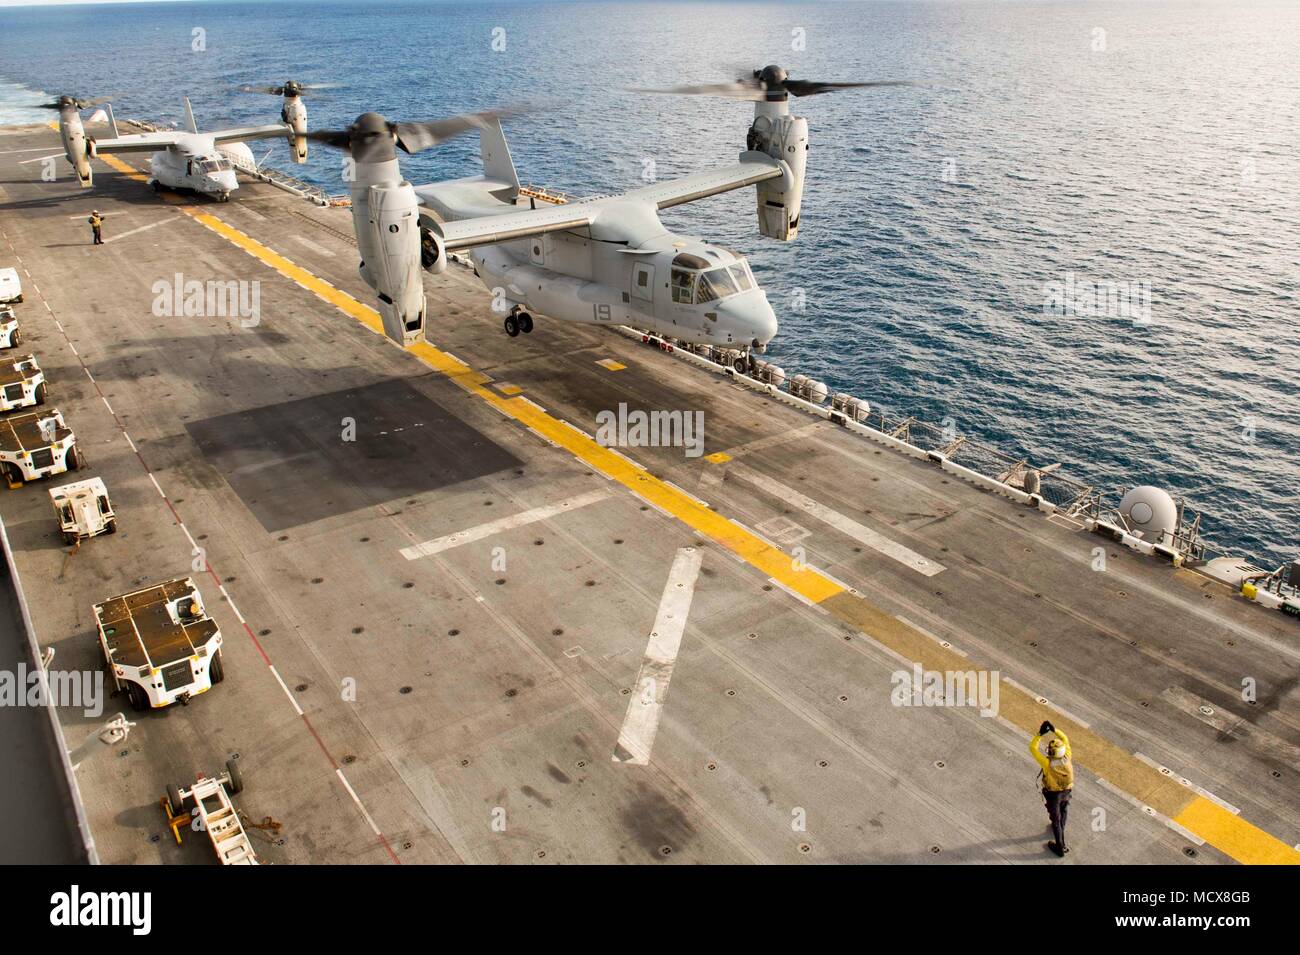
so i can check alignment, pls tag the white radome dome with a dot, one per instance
(1151, 513)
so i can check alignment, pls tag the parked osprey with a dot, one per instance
(605, 260)
(182, 159)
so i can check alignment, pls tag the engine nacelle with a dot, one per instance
(387, 222)
(75, 145)
(784, 137)
(294, 115)
(433, 252)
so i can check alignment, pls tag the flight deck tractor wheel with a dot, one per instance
(13, 474)
(174, 801)
(40, 393)
(525, 322)
(74, 459)
(111, 527)
(136, 695)
(16, 338)
(236, 781)
(216, 672)
(511, 326)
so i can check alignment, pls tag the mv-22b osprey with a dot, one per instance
(605, 260)
(183, 159)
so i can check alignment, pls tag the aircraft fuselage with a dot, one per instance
(197, 164)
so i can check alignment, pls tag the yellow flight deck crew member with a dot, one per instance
(96, 226)
(1058, 781)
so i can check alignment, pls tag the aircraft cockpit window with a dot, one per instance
(683, 286)
(215, 165)
(716, 283)
(743, 277)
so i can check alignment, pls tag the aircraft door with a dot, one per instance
(643, 282)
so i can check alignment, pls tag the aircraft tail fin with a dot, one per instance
(497, 164)
(189, 116)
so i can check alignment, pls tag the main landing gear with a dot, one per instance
(518, 321)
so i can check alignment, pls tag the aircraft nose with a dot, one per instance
(752, 318)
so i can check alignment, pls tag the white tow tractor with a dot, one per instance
(22, 383)
(10, 336)
(83, 510)
(36, 444)
(11, 287)
(208, 803)
(160, 644)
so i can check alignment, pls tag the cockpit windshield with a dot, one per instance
(696, 288)
(215, 165)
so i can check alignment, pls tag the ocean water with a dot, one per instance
(1048, 145)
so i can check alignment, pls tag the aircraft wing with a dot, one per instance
(137, 143)
(487, 230)
(701, 185)
(249, 132)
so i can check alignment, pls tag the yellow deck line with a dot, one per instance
(1202, 817)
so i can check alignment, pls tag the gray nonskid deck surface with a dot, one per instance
(488, 698)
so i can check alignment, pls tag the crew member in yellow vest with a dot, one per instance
(96, 226)
(1058, 781)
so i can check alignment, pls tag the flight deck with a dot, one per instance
(459, 628)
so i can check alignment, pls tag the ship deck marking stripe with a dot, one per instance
(1233, 835)
(650, 692)
(842, 523)
(123, 235)
(439, 544)
(1238, 839)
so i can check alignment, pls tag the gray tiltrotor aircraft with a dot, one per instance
(605, 260)
(182, 159)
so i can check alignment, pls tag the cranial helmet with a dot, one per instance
(1055, 749)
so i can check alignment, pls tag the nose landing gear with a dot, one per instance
(518, 321)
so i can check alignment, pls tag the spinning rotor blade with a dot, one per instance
(769, 83)
(73, 101)
(413, 137)
(811, 88)
(290, 88)
(409, 137)
(744, 89)
(338, 138)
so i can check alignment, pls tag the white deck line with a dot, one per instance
(846, 525)
(649, 694)
(491, 528)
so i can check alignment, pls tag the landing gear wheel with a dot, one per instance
(236, 780)
(741, 364)
(511, 326)
(525, 322)
(174, 801)
(157, 186)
